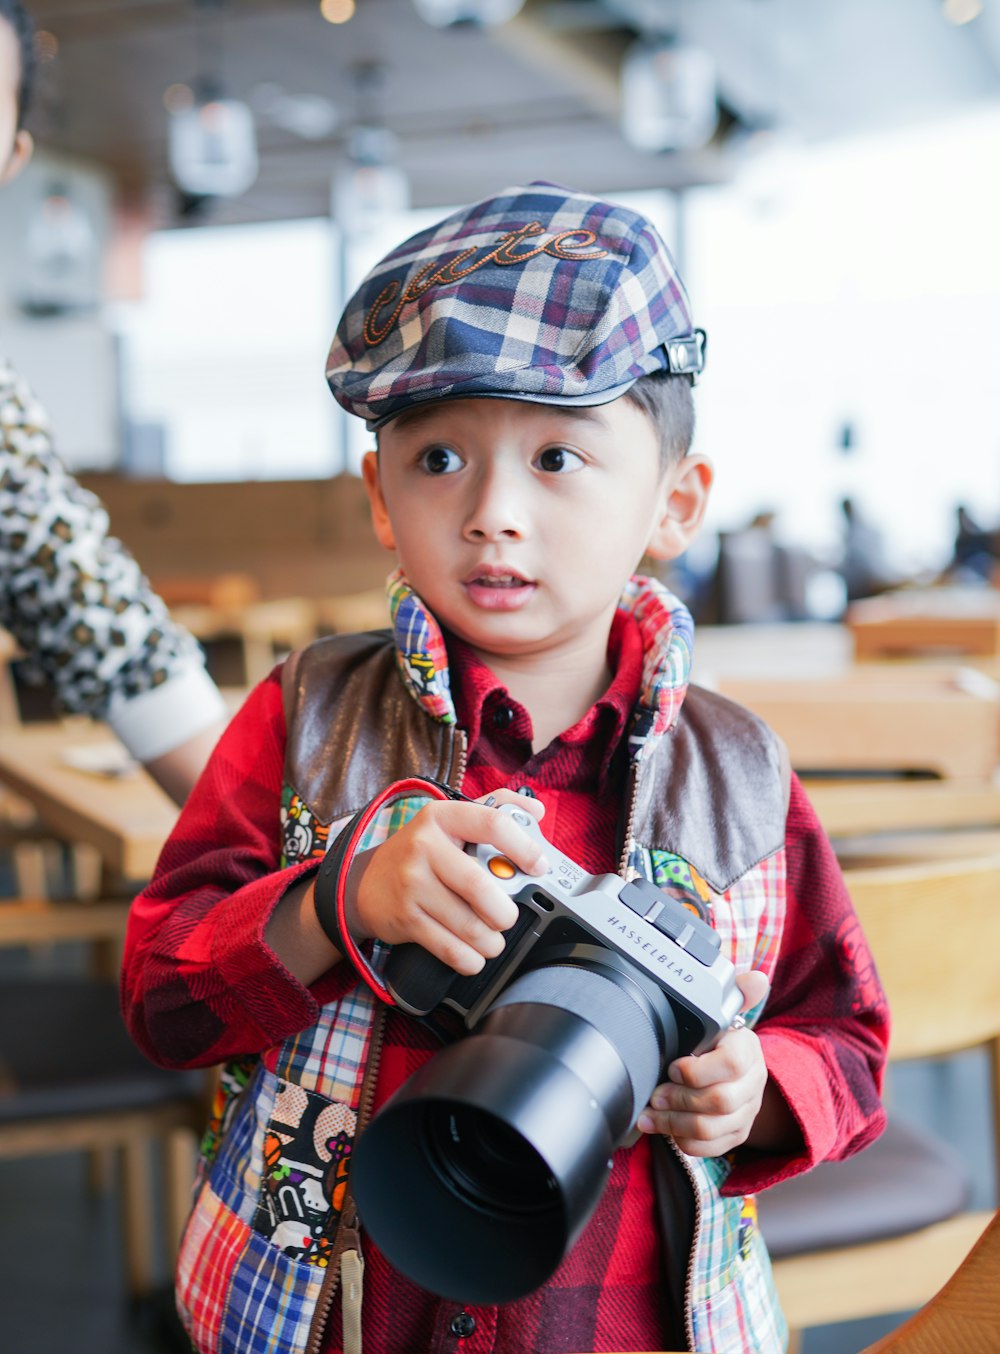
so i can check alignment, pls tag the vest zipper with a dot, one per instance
(689, 1276)
(348, 1235)
(628, 872)
(628, 841)
(460, 738)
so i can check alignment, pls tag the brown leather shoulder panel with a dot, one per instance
(353, 728)
(714, 791)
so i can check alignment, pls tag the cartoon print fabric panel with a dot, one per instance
(306, 1150)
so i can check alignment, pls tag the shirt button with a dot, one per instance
(463, 1324)
(503, 717)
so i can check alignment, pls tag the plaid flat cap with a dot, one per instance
(540, 293)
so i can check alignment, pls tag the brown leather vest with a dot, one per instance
(713, 790)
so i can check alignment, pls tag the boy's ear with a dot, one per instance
(19, 156)
(380, 513)
(686, 488)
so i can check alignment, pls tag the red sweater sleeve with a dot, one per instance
(199, 984)
(825, 1028)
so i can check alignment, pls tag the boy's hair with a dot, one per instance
(667, 402)
(14, 13)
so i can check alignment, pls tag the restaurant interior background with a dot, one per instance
(214, 176)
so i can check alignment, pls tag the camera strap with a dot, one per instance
(330, 888)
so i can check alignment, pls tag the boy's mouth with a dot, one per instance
(498, 588)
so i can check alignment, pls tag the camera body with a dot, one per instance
(506, 1137)
(659, 938)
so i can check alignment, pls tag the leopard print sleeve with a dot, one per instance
(73, 596)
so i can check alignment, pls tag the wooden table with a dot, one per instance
(962, 620)
(126, 818)
(848, 808)
(859, 721)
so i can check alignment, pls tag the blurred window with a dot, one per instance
(853, 284)
(223, 359)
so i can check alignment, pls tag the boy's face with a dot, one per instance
(15, 146)
(519, 524)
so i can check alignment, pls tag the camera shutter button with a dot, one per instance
(463, 1324)
(501, 867)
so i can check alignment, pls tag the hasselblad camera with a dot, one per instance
(502, 1142)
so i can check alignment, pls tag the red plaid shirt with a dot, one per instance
(200, 986)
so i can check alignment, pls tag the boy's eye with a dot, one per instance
(559, 460)
(441, 461)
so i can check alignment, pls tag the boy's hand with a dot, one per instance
(420, 884)
(711, 1101)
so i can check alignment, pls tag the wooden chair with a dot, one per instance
(964, 1316)
(880, 1233)
(71, 1079)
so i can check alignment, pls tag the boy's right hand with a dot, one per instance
(420, 884)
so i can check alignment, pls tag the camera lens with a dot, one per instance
(515, 1123)
(486, 1162)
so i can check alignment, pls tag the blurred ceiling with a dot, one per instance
(474, 109)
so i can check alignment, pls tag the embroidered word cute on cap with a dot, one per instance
(540, 293)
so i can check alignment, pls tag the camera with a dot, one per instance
(478, 1175)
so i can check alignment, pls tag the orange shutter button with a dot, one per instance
(502, 867)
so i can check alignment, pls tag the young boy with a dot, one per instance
(526, 366)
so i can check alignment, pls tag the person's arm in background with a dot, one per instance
(84, 614)
(177, 770)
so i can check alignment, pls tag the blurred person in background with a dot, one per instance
(862, 564)
(72, 596)
(975, 552)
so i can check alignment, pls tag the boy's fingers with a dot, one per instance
(478, 892)
(731, 1058)
(482, 825)
(687, 1128)
(497, 797)
(755, 986)
(722, 1098)
(440, 941)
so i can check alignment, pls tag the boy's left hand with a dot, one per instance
(711, 1101)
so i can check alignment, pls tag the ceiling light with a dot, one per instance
(370, 189)
(365, 197)
(480, 13)
(668, 96)
(61, 246)
(337, 11)
(212, 148)
(962, 11)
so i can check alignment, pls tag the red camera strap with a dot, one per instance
(330, 889)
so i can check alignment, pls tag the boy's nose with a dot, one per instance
(497, 510)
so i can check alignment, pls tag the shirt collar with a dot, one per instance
(475, 686)
(665, 628)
